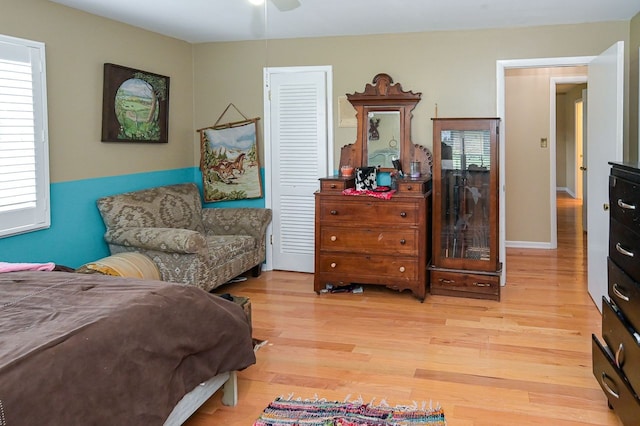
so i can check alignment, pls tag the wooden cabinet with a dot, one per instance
(367, 240)
(616, 364)
(465, 208)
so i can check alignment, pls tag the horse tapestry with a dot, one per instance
(229, 162)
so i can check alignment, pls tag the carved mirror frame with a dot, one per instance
(381, 95)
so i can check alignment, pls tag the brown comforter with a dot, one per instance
(80, 349)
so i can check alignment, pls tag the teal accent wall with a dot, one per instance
(76, 233)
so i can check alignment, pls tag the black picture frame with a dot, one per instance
(135, 105)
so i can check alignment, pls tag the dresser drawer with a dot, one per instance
(373, 212)
(617, 390)
(625, 293)
(370, 240)
(368, 269)
(624, 199)
(478, 286)
(624, 248)
(408, 185)
(337, 184)
(623, 342)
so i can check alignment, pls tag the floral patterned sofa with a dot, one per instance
(204, 247)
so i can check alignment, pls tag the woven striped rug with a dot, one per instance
(320, 412)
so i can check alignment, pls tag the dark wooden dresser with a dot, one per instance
(616, 363)
(366, 240)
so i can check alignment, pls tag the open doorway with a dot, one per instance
(540, 157)
(532, 179)
(606, 101)
(578, 123)
(568, 131)
(581, 140)
(570, 166)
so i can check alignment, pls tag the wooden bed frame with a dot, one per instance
(190, 403)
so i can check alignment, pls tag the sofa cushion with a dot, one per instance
(223, 248)
(172, 206)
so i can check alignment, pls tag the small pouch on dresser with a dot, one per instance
(366, 178)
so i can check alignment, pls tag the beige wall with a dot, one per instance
(528, 166)
(456, 69)
(77, 46)
(561, 142)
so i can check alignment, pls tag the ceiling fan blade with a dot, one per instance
(286, 5)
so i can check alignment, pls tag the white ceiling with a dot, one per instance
(231, 20)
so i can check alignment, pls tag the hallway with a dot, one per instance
(564, 268)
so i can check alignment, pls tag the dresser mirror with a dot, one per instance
(383, 135)
(383, 112)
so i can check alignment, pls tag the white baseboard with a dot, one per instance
(567, 190)
(528, 244)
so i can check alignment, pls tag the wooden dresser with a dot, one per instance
(616, 364)
(367, 240)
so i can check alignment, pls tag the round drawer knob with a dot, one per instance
(333, 238)
(403, 214)
(333, 186)
(403, 241)
(409, 188)
(402, 269)
(333, 264)
(334, 212)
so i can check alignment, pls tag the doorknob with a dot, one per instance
(583, 168)
(605, 207)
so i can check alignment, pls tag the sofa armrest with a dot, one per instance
(170, 240)
(237, 221)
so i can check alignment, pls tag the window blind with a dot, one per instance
(474, 146)
(24, 170)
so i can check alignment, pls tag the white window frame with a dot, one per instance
(34, 214)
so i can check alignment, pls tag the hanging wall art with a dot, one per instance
(134, 105)
(229, 161)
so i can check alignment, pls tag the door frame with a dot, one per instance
(268, 176)
(501, 67)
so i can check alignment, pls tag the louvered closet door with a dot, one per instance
(298, 159)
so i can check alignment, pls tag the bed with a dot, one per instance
(109, 350)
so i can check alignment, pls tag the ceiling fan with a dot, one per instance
(259, 21)
(281, 5)
(285, 5)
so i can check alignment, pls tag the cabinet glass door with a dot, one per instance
(466, 199)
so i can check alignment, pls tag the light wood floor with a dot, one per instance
(523, 361)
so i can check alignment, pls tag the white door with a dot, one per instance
(605, 143)
(297, 153)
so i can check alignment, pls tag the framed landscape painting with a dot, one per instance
(134, 105)
(229, 162)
